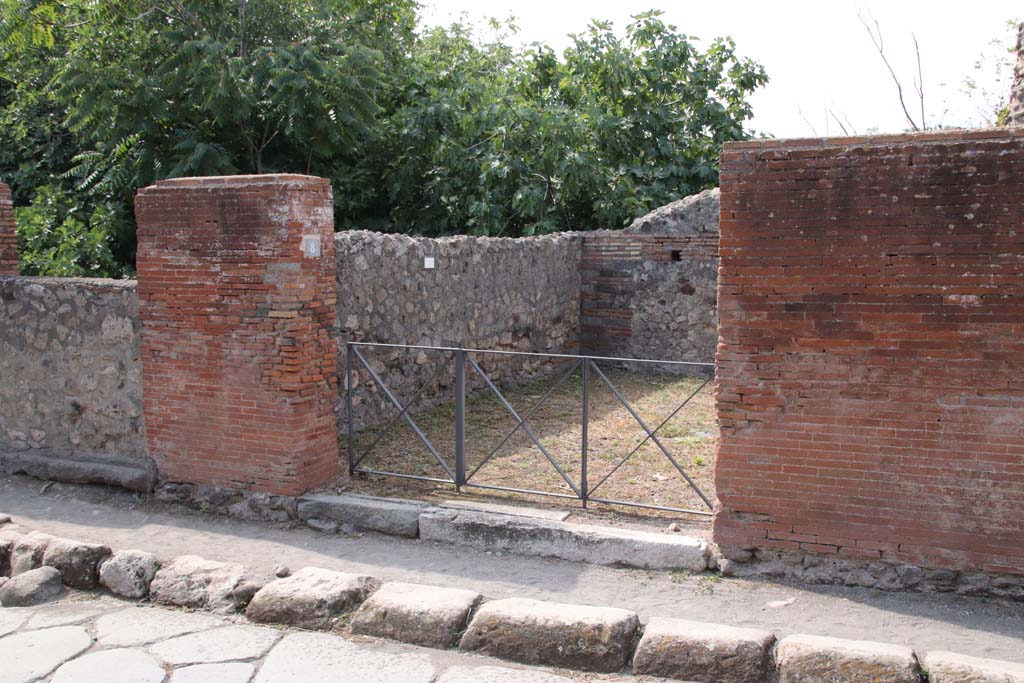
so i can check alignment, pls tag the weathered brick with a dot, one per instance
(238, 347)
(871, 307)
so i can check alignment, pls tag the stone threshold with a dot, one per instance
(577, 637)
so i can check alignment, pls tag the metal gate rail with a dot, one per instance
(457, 475)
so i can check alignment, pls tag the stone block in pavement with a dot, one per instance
(139, 625)
(555, 634)
(306, 657)
(230, 643)
(33, 587)
(191, 581)
(573, 542)
(77, 562)
(814, 659)
(498, 674)
(27, 552)
(383, 515)
(418, 614)
(704, 653)
(950, 667)
(7, 541)
(30, 655)
(310, 598)
(233, 672)
(128, 573)
(111, 666)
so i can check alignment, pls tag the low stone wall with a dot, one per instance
(69, 363)
(477, 292)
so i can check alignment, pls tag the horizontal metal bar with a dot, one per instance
(366, 470)
(532, 353)
(529, 491)
(608, 501)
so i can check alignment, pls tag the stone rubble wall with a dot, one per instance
(650, 291)
(482, 293)
(70, 377)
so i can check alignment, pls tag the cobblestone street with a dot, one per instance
(83, 639)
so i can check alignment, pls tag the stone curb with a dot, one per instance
(582, 637)
(383, 515)
(564, 540)
(133, 474)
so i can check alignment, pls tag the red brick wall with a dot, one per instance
(8, 240)
(871, 355)
(239, 340)
(608, 284)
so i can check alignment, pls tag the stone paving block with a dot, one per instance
(236, 672)
(305, 657)
(66, 613)
(219, 645)
(77, 562)
(498, 674)
(554, 634)
(383, 515)
(29, 655)
(950, 667)
(310, 598)
(418, 614)
(704, 653)
(33, 587)
(191, 581)
(572, 542)
(8, 537)
(27, 552)
(128, 573)
(11, 619)
(111, 666)
(815, 659)
(139, 625)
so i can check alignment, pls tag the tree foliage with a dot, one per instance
(432, 131)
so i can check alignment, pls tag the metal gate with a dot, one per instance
(456, 471)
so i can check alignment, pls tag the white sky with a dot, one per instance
(817, 53)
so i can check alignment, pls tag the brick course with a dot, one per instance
(611, 293)
(239, 342)
(8, 239)
(870, 381)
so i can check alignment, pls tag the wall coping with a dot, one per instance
(236, 181)
(947, 136)
(91, 282)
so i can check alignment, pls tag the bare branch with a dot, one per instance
(836, 119)
(919, 85)
(876, 38)
(804, 118)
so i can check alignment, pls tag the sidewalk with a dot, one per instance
(982, 628)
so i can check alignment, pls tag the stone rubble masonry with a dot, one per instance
(650, 291)
(239, 343)
(870, 386)
(69, 359)
(8, 238)
(482, 292)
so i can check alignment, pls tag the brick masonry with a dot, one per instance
(649, 296)
(8, 240)
(239, 342)
(871, 362)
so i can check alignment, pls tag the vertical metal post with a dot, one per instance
(586, 427)
(348, 408)
(460, 419)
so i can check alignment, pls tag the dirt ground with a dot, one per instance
(647, 476)
(979, 627)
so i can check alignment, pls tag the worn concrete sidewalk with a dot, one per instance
(974, 626)
(83, 639)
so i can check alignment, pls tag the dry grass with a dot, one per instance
(646, 477)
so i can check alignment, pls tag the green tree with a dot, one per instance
(435, 132)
